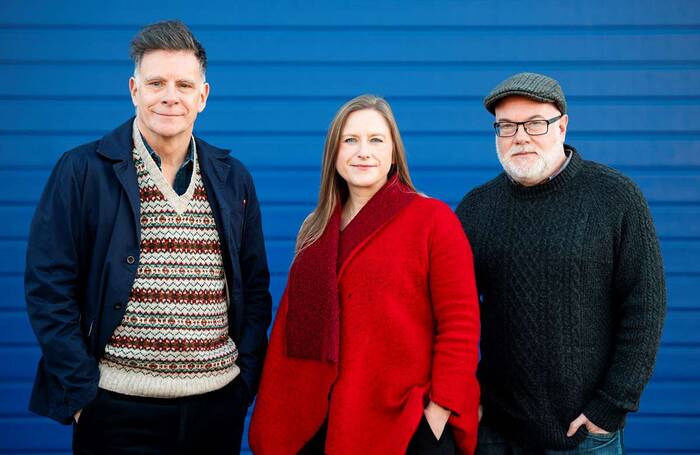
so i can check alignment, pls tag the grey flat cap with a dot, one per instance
(530, 85)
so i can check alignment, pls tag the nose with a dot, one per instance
(363, 151)
(521, 136)
(170, 95)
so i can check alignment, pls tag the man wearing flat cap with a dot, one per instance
(571, 284)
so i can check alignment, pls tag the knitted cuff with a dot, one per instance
(604, 415)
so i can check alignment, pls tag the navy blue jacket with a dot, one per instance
(84, 250)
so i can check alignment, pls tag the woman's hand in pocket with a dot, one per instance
(437, 417)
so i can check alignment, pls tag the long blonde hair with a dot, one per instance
(334, 189)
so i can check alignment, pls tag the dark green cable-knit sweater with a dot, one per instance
(573, 300)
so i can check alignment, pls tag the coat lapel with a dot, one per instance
(117, 146)
(215, 168)
(379, 211)
(126, 174)
(313, 313)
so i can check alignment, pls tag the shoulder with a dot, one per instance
(239, 169)
(113, 146)
(83, 152)
(434, 213)
(482, 193)
(78, 159)
(435, 222)
(610, 183)
(236, 167)
(430, 206)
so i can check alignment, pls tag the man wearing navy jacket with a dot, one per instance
(146, 278)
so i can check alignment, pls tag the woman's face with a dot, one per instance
(365, 152)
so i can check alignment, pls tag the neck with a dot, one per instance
(171, 150)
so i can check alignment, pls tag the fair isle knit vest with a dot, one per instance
(173, 339)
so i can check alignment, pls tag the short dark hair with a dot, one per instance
(167, 35)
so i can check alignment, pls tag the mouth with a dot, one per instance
(169, 115)
(362, 166)
(523, 154)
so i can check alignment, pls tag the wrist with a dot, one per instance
(435, 410)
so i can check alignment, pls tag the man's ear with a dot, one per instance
(203, 96)
(563, 124)
(133, 89)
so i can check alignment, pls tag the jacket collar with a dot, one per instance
(118, 144)
(213, 160)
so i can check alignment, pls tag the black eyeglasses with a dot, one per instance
(531, 127)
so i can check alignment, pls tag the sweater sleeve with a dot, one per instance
(456, 311)
(640, 294)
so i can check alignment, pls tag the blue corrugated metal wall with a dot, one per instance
(279, 70)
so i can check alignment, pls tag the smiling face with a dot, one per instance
(529, 160)
(365, 152)
(168, 90)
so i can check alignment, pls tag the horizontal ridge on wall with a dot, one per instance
(679, 255)
(314, 12)
(315, 80)
(415, 116)
(375, 45)
(669, 185)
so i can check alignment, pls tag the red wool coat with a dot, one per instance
(408, 333)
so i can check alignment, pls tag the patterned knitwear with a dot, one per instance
(572, 300)
(173, 339)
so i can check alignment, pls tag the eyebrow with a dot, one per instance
(370, 134)
(532, 117)
(160, 78)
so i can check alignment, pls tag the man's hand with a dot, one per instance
(583, 420)
(76, 416)
(437, 417)
(481, 412)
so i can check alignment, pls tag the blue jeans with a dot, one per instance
(492, 442)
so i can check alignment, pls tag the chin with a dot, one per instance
(527, 177)
(364, 183)
(529, 173)
(168, 130)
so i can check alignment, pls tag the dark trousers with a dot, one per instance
(210, 423)
(423, 441)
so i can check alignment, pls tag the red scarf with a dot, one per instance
(313, 313)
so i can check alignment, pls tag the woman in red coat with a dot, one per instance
(375, 344)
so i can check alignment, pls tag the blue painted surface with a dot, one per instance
(280, 69)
